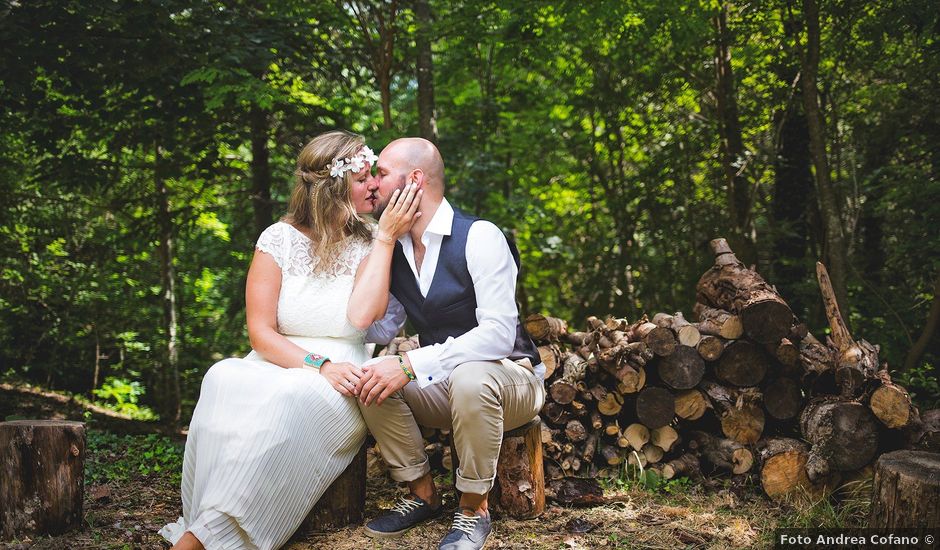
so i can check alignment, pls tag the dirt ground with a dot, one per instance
(127, 514)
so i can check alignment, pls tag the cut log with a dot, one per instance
(683, 369)
(717, 322)
(843, 435)
(783, 398)
(856, 361)
(637, 459)
(631, 383)
(575, 431)
(711, 347)
(691, 404)
(742, 364)
(555, 413)
(729, 285)
(664, 437)
(344, 501)
(655, 406)
(637, 435)
(783, 470)
(41, 477)
(785, 351)
(661, 341)
(565, 389)
(906, 491)
(652, 453)
(551, 358)
(925, 434)
(741, 418)
(590, 446)
(892, 405)
(724, 454)
(519, 490)
(686, 465)
(545, 329)
(611, 454)
(573, 491)
(686, 333)
(611, 404)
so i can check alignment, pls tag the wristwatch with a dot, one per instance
(315, 360)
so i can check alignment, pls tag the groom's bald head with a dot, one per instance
(410, 154)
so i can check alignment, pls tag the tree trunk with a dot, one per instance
(906, 491)
(836, 245)
(732, 144)
(424, 65)
(41, 477)
(169, 400)
(933, 321)
(260, 170)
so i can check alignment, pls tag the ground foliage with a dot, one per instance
(145, 144)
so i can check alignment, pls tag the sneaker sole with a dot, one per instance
(386, 534)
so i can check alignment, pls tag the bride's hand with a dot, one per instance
(342, 376)
(401, 213)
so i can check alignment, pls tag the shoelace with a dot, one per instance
(406, 506)
(465, 523)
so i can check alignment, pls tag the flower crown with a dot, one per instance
(355, 163)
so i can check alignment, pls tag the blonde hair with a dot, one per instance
(321, 203)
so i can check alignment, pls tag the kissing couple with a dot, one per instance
(271, 432)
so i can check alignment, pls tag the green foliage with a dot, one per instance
(923, 386)
(121, 458)
(121, 395)
(589, 131)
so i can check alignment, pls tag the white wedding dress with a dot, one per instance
(265, 442)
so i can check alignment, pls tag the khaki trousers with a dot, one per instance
(478, 402)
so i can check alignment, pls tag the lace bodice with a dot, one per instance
(312, 302)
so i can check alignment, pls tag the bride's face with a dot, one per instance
(359, 191)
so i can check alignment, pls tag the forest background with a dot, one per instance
(145, 145)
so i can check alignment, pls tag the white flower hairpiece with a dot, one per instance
(355, 163)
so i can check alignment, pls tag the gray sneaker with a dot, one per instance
(467, 532)
(407, 512)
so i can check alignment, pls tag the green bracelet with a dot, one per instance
(315, 360)
(411, 376)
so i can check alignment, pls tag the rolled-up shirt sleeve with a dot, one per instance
(383, 330)
(493, 272)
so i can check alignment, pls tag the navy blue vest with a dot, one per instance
(450, 307)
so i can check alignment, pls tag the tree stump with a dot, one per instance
(41, 477)
(344, 501)
(906, 491)
(519, 490)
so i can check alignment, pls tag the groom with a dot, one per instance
(477, 371)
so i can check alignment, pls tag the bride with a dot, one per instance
(270, 432)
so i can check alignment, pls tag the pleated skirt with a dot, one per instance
(264, 444)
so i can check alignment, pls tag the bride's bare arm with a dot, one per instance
(369, 300)
(261, 295)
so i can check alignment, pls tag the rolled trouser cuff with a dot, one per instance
(410, 473)
(474, 486)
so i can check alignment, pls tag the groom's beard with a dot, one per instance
(382, 204)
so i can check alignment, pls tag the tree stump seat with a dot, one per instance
(519, 490)
(344, 501)
(41, 477)
(906, 491)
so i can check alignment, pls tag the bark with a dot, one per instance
(343, 503)
(686, 465)
(166, 250)
(260, 170)
(41, 477)
(930, 328)
(424, 66)
(906, 491)
(683, 369)
(378, 27)
(843, 435)
(836, 243)
(519, 491)
(741, 419)
(718, 322)
(545, 329)
(732, 144)
(730, 286)
(724, 454)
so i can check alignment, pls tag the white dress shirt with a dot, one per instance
(493, 272)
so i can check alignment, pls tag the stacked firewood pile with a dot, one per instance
(742, 388)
